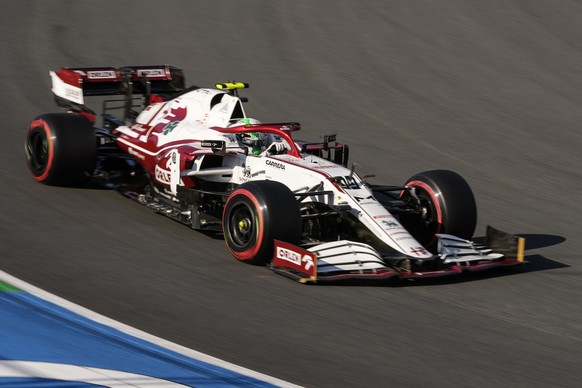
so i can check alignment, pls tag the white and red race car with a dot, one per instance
(193, 155)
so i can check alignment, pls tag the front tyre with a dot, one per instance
(441, 202)
(60, 149)
(256, 214)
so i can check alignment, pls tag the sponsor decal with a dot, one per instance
(390, 224)
(101, 74)
(420, 251)
(166, 121)
(290, 256)
(151, 73)
(162, 175)
(72, 93)
(319, 166)
(287, 254)
(384, 216)
(247, 172)
(403, 238)
(278, 165)
(212, 143)
(170, 127)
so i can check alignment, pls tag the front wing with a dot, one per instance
(349, 260)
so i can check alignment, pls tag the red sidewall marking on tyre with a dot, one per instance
(434, 199)
(41, 123)
(249, 254)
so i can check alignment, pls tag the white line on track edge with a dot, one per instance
(92, 315)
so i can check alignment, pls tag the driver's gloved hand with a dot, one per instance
(276, 148)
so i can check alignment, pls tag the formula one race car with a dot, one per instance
(192, 154)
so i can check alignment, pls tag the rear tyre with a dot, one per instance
(60, 149)
(256, 214)
(444, 204)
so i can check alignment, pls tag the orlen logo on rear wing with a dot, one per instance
(294, 262)
(74, 83)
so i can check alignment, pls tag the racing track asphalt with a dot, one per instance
(490, 89)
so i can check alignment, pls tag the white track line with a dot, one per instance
(42, 294)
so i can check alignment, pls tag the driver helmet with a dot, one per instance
(252, 138)
(245, 121)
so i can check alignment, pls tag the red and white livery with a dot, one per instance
(194, 155)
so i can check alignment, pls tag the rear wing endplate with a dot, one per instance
(72, 84)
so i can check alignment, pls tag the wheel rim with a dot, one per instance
(427, 223)
(428, 211)
(242, 226)
(37, 148)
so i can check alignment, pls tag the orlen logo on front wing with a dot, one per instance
(295, 258)
(304, 261)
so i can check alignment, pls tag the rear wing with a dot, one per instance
(70, 85)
